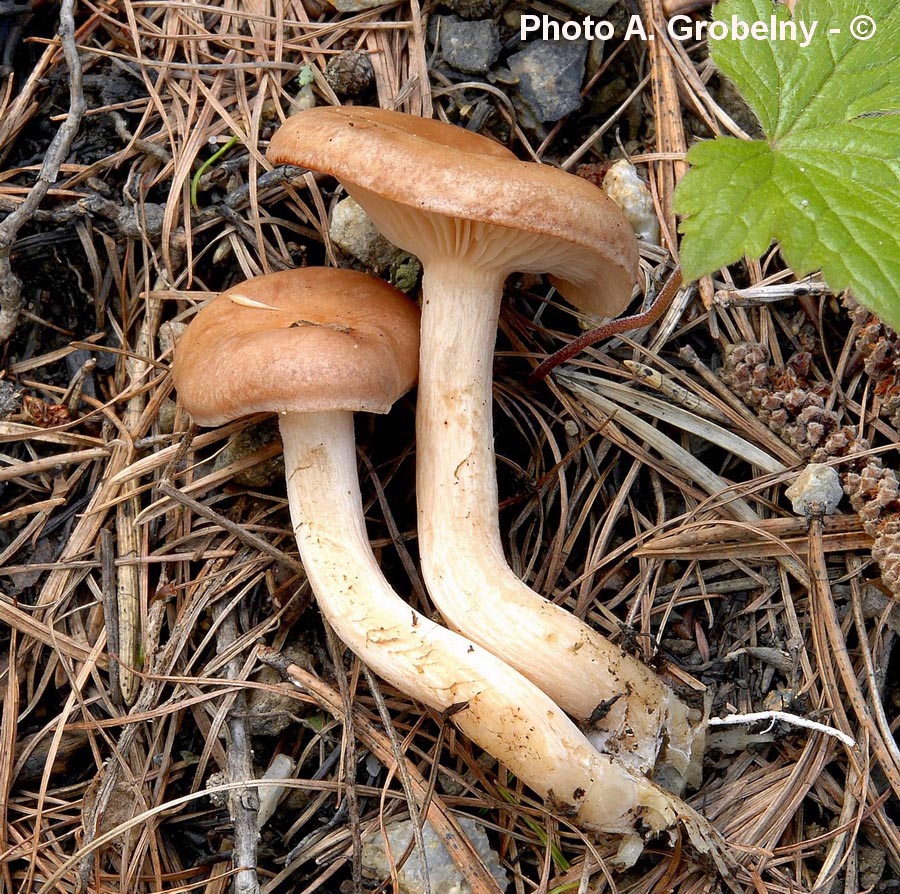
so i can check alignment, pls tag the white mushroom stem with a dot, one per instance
(463, 562)
(504, 713)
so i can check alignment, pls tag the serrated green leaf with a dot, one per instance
(825, 182)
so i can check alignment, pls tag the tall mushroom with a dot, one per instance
(314, 345)
(473, 214)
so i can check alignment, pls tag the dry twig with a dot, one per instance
(10, 284)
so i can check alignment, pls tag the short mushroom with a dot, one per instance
(473, 214)
(314, 345)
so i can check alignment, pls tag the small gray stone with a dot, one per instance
(10, 398)
(474, 9)
(469, 46)
(169, 333)
(443, 875)
(550, 73)
(165, 416)
(271, 705)
(595, 8)
(872, 863)
(353, 231)
(245, 443)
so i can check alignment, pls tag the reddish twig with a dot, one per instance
(623, 324)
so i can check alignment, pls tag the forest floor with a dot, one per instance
(134, 607)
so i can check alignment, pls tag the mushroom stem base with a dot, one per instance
(494, 705)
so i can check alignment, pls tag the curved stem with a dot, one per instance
(494, 706)
(463, 562)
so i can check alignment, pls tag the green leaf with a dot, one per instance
(825, 181)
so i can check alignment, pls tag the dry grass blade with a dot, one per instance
(8, 746)
(667, 109)
(766, 537)
(833, 653)
(19, 620)
(693, 469)
(686, 421)
(238, 531)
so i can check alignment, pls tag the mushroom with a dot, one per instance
(314, 345)
(473, 214)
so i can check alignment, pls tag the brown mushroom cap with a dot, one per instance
(324, 340)
(444, 193)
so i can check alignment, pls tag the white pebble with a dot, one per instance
(816, 491)
(282, 767)
(625, 187)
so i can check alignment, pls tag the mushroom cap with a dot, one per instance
(447, 194)
(314, 339)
